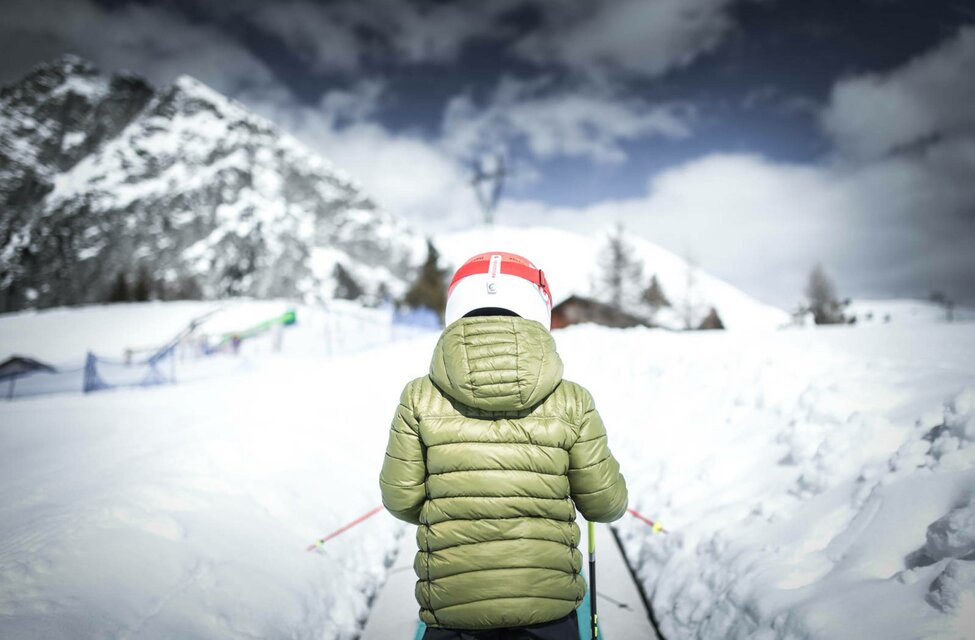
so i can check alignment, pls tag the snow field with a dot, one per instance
(185, 511)
(815, 482)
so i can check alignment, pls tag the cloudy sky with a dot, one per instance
(757, 136)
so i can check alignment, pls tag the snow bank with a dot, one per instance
(813, 484)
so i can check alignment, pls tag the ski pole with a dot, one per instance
(656, 526)
(358, 520)
(594, 621)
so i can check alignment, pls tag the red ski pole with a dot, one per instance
(341, 530)
(656, 526)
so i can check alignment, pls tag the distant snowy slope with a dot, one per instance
(570, 261)
(871, 312)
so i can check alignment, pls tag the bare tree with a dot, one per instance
(619, 280)
(939, 297)
(690, 307)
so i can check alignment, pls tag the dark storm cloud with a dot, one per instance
(149, 40)
(632, 37)
(347, 35)
(594, 37)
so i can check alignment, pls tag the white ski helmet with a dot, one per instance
(502, 281)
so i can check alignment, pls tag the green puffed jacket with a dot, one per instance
(491, 454)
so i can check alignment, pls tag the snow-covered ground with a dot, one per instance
(818, 484)
(814, 483)
(184, 511)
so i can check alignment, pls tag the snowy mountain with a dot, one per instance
(571, 263)
(104, 180)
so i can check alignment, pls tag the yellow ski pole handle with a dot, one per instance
(656, 527)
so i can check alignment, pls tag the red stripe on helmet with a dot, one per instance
(511, 264)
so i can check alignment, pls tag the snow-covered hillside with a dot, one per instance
(181, 191)
(815, 483)
(570, 261)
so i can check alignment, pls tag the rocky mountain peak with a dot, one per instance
(107, 180)
(59, 113)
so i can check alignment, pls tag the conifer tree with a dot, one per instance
(120, 289)
(346, 287)
(142, 290)
(711, 321)
(430, 287)
(654, 294)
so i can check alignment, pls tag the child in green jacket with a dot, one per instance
(491, 454)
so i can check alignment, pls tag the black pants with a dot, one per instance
(566, 628)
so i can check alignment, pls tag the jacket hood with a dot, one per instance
(496, 363)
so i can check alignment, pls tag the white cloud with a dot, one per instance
(896, 222)
(899, 226)
(580, 124)
(640, 37)
(402, 172)
(930, 97)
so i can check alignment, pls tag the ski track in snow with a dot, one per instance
(814, 482)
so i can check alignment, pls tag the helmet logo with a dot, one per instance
(494, 268)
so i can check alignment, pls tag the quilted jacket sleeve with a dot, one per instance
(404, 468)
(595, 481)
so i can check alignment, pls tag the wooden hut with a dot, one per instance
(577, 309)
